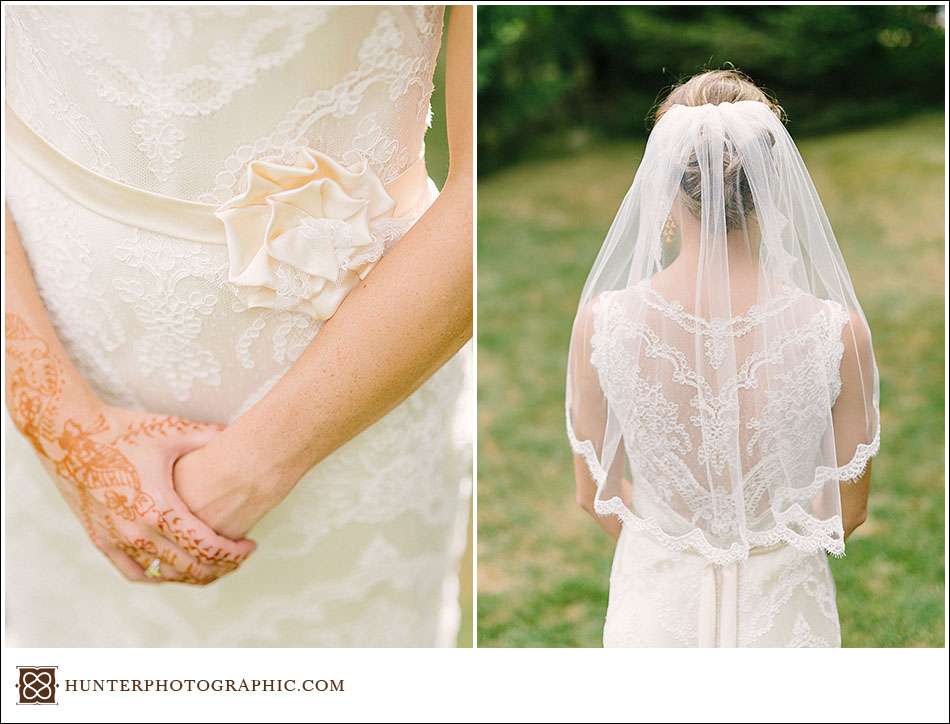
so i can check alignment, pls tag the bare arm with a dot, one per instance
(849, 417)
(854, 501)
(23, 302)
(586, 491)
(391, 333)
(588, 422)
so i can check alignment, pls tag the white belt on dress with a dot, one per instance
(144, 209)
(299, 237)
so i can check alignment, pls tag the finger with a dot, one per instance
(196, 437)
(206, 545)
(126, 565)
(162, 557)
(186, 529)
(103, 539)
(176, 564)
(160, 561)
(174, 436)
(183, 528)
(179, 525)
(143, 553)
(191, 436)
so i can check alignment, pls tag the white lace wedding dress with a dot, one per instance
(675, 592)
(174, 102)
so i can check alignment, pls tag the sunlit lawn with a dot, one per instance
(543, 566)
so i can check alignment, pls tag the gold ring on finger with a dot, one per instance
(154, 569)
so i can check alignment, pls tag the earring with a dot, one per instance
(669, 230)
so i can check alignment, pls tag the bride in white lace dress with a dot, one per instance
(722, 393)
(211, 201)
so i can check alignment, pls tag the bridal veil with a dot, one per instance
(721, 380)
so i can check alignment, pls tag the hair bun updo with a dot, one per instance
(715, 87)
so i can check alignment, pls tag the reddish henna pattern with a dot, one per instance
(100, 473)
(35, 383)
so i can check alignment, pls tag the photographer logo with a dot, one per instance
(37, 685)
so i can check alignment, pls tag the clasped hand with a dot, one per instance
(128, 476)
(115, 470)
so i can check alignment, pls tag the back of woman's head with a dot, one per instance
(715, 87)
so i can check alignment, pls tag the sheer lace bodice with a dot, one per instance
(645, 356)
(177, 100)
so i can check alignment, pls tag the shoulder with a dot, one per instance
(805, 305)
(593, 310)
(856, 338)
(847, 324)
(847, 332)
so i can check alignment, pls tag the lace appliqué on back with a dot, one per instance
(661, 439)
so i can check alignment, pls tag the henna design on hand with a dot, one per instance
(104, 480)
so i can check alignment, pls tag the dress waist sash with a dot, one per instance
(155, 212)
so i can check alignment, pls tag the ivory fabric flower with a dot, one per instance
(301, 237)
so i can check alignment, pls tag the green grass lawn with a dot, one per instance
(542, 565)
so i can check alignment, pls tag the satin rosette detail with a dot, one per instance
(301, 237)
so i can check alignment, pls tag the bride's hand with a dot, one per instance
(114, 468)
(226, 488)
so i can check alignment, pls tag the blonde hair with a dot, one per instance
(715, 87)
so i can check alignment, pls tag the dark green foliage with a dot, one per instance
(550, 78)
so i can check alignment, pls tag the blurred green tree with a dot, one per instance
(553, 77)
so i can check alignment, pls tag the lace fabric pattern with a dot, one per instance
(659, 436)
(783, 597)
(353, 82)
(364, 551)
